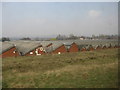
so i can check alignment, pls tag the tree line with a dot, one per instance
(65, 37)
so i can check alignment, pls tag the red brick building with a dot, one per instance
(56, 48)
(71, 47)
(29, 48)
(81, 47)
(89, 48)
(8, 50)
(36, 51)
(45, 45)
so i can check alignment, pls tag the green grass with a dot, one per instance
(91, 69)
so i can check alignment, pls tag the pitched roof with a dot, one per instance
(45, 43)
(82, 46)
(54, 46)
(68, 44)
(88, 47)
(96, 42)
(5, 46)
(103, 46)
(96, 46)
(25, 47)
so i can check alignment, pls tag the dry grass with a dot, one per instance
(94, 69)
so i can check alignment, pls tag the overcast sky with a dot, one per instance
(50, 18)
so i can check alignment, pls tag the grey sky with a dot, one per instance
(42, 19)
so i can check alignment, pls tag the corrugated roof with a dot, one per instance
(45, 44)
(103, 46)
(5, 46)
(54, 46)
(25, 47)
(96, 46)
(82, 46)
(68, 45)
(95, 42)
(88, 47)
(57, 45)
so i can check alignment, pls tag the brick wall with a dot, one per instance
(61, 49)
(73, 48)
(10, 53)
(33, 51)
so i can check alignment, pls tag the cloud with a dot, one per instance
(94, 13)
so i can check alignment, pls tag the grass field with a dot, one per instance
(91, 69)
